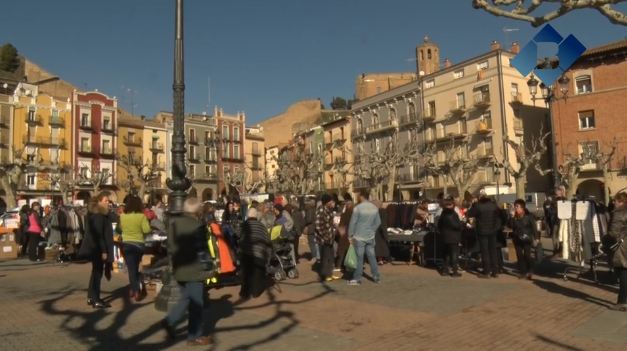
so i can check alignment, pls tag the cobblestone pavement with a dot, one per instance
(42, 307)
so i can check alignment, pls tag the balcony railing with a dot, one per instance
(85, 149)
(207, 176)
(457, 109)
(44, 141)
(86, 126)
(193, 158)
(211, 159)
(517, 99)
(33, 120)
(382, 126)
(192, 140)
(210, 142)
(429, 116)
(411, 118)
(132, 141)
(107, 127)
(482, 100)
(591, 167)
(56, 121)
(106, 151)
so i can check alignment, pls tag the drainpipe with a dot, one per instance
(504, 129)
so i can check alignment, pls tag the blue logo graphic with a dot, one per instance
(548, 69)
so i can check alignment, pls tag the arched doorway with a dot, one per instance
(207, 194)
(192, 192)
(592, 188)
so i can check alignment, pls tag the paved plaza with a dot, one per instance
(43, 308)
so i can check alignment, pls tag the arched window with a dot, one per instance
(429, 54)
(392, 114)
(412, 111)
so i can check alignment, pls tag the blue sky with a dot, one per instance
(260, 56)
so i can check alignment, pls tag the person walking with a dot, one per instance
(98, 246)
(487, 223)
(187, 249)
(362, 228)
(450, 228)
(133, 226)
(524, 234)
(34, 232)
(255, 248)
(325, 236)
(618, 231)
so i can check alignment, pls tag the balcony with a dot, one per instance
(33, 120)
(211, 159)
(256, 153)
(56, 121)
(482, 101)
(517, 99)
(457, 109)
(156, 147)
(210, 142)
(193, 140)
(429, 116)
(590, 167)
(382, 126)
(518, 126)
(85, 150)
(107, 128)
(206, 177)
(408, 119)
(133, 141)
(106, 152)
(484, 126)
(85, 126)
(193, 158)
(49, 142)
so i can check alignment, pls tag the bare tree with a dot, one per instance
(522, 9)
(455, 164)
(298, 170)
(63, 179)
(11, 175)
(527, 156)
(141, 176)
(93, 179)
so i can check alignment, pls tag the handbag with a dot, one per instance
(350, 261)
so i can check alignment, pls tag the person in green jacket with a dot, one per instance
(133, 226)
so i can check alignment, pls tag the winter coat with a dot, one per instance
(524, 229)
(98, 233)
(487, 217)
(188, 242)
(325, 230)
(450, 227)
(255, 241)
(618, 231)
(299, 221)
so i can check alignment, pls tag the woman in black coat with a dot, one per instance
(524, 234)
(450, 228)
(98, 246)
(255, 252)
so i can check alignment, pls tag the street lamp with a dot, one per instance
(496, 169)
(179, 183)
(548, 95)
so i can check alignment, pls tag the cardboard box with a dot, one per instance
(8, 250)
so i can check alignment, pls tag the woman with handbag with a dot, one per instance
(34, 232)
(133, 226)
(618, 231)
(524, 235)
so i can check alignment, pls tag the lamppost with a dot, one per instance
(496, 169)
(179, 183)
(548, 95)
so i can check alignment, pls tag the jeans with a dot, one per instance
(622, 282)
(451, 256)
(133, 257)
(192, 301)
(313, 247)
(523, 255)
(487, 243)
(366, 247)
(97, 270)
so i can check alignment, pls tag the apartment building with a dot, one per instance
(231, 138)
(338, 151)
(254, 155)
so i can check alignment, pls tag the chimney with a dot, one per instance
(447, 63)
(495, 45)
(515, 48)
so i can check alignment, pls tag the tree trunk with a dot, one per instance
(606, 188)
(521, 182)
(389, 196)
(10, 198)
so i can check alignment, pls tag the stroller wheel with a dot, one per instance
(292, 273)
(279, 275)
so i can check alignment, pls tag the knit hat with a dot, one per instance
(279, 207)
(326, 198)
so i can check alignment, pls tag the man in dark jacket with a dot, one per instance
(487, 224)
(618, 231)
(450, 228)
(187, 245)
(325, 237)
(98, 246)
(255, 248)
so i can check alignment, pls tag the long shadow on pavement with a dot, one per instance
(557, 344)
(562, 290)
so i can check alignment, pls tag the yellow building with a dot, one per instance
(41, 130)
(130, 153)
(338, 157)
(154, 155)
(254, 156)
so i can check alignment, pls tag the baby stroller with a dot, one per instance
(282, 263)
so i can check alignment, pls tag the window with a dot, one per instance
(30, 158)
(392, 114)
(236, 133)
(131, 137)
(482, 65)
(192, 135)
(30, 179)
(31, 113)
(256, 148)
(586, 120)
(461, 100)
(236, 151)
(412, 111)
(207, 137)
(375, 119)
(207, 154)
(85, 122)
(207, 170)
(85, 145)
(192, 170)
(514, 89)
(377, 145)
(106, 123)
(429, 54)
(225, 150)
(430, 83)
(458, 74)
(584, 84)
(54, 155)
(106, 147)
(431, 111)
(360, 126)
(588, 151)
(192, 152)
(225, 132)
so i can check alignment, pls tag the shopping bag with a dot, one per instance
(350, 261)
